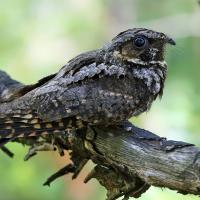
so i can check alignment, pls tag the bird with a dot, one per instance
(103, 87)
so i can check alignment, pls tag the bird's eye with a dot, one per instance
(140, 42)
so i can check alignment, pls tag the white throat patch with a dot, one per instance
(140, 62)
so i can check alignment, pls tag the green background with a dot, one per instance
(37, 37)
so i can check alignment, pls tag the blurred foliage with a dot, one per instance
(37, 37)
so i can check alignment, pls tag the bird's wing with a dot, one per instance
(42, 96)
(60, 97)
(19, 90)
(35, 109)
(65, 95)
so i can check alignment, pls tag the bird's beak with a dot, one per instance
(170, 41)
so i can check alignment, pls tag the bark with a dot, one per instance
(155, 160)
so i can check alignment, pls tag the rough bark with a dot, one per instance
(155, 160)
(129, 159)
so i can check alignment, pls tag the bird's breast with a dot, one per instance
(110, 100)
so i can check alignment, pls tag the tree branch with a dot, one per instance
(129, 159)
(155, 160)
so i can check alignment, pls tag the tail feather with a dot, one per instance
(16, 126)
(5, 141)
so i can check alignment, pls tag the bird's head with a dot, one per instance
(138, 46)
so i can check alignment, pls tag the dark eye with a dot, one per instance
(140, 42)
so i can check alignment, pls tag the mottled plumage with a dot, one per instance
(100, 87)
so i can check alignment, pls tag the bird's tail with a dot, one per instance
(29, 125)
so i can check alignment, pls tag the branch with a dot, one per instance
(154, 160)
(128, 159)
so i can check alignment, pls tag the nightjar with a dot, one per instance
(101, 87)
